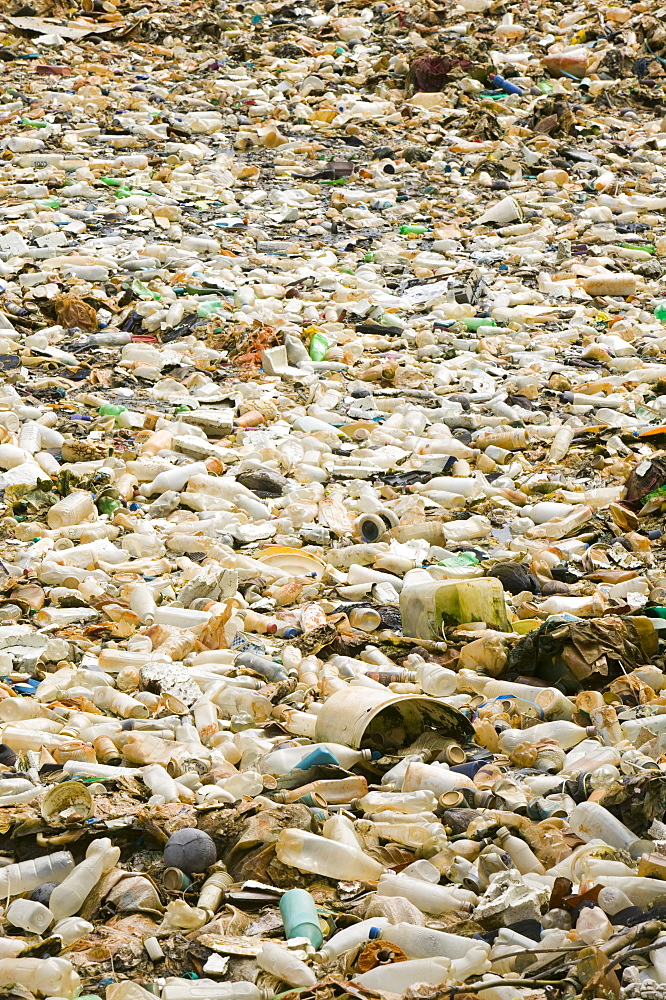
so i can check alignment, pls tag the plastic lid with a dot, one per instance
(374, 933)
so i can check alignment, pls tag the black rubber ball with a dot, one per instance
(42, 894)
(190, 850)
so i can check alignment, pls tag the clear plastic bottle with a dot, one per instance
(405, 802)
(591, 821)
(435, 778)
(285, 759)
(68, 897)
(427, 897)
(315, 854)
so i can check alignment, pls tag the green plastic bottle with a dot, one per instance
(318, 347)
(474, 322)
(660, 310)
(405, 230)
(110, 409)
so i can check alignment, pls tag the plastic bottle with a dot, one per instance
(593, 926)
(350, 937)
(278, 961)
(428, 898)
(68, 897)
(612, 900)
(285, 759)
(48, 977)
(398, 977)
(142, 602)
(520, 853)
(207, 989)
(566, 734)
(505, 85)
(590, 821)
(299, 915)
(73, 509)
(28, 875)
(160, 783)
(561, 443)
(434, 778)
(436, 681)
(423, 942)
(30, 916)
(407, 802)
(211, 894)
(315, 854)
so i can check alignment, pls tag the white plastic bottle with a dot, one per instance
(28, 875)
(567, 734)
(520, 853)
(49, 977)
(399, 976)
(279, 962)
(31, 916)
(612, 900)
(351, 937)
(68, 897)
(422, 942)
(435, 680)
(207, 989)
(78, 506)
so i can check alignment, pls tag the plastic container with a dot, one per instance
(28, 875)
(311, 853)
(73, 509)
(426, 608)
(68, 897)
(276, 960)
(590, 821)
(45, 977)
(432, 899)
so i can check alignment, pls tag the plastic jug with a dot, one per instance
(426, 608)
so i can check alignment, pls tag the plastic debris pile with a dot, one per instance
(333, 468)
